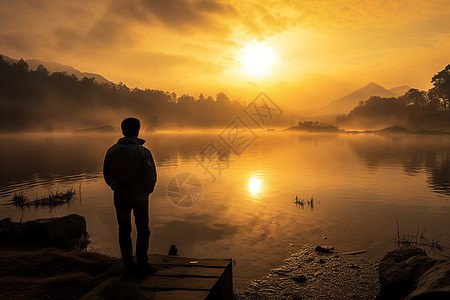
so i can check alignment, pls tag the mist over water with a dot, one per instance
(361, 185)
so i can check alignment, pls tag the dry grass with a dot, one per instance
(51, 273)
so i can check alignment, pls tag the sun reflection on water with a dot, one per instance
(254, 186)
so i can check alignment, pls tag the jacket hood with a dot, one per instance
(129, 140)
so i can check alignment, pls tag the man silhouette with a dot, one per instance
(130, 171)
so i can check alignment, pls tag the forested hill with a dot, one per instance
(36, 100)
(416, 110)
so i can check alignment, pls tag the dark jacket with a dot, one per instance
(129, 167)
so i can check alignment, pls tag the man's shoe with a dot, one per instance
(130, 270)
(146, 269)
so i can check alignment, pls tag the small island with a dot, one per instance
(314, 126)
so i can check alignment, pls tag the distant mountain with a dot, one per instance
(400, 90)
(56, 67)
(9, 59)
(347, 103)
(99, 129)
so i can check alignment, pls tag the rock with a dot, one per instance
(299, 278)
(434, 283)
(44, 232)
(5, 221)
(8, 231)
(408, 273)
(324, 249)
(53, 231)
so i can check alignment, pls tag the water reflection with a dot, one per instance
(414, 153)
(440, 174)
(46, 160)
(364, 183)
(254, 186)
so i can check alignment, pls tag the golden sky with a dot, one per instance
(323, 49)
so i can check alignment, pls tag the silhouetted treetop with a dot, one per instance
(421, 110)
(441, 89)
(36, 100)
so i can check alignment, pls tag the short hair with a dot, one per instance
(130, 127)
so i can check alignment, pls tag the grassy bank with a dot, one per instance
(31, 273)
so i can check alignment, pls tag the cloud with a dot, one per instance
(16, 40)
(165, 64)
(79, 28)
(178, 15)
(355, 15)
(261, 23)
(194, 43)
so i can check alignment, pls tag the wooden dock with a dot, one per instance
(177, 278)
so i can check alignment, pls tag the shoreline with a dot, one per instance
(50, 273)
(31, 272)
(385, 131)
(309, 274)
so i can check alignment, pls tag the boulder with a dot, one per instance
(44, 232)
(9, 231)
(408, 273)
(434, 283)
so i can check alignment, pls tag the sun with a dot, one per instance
(257, 59)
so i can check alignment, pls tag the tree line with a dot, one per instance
(40, 100)
(416, 109)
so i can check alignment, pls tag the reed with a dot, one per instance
(418, 240)
(54, 199)
(20, 199)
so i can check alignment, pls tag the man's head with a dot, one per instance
(130, 127)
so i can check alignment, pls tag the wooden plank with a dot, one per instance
(223, 289)
(183, 271)
(172, 295)
(175, 283)
(159, 259)
(177, 278)
(117, 286)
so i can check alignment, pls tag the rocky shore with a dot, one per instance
(36, 263)
(322, 273)
(311, 274)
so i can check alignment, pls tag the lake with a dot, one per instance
(211, 202)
